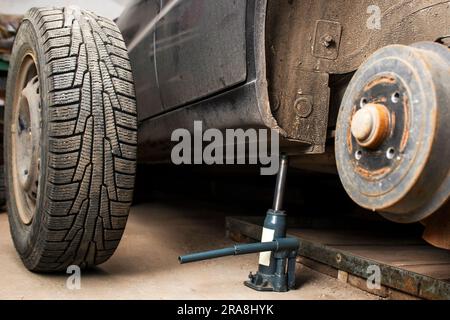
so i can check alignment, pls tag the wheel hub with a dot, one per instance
(26, 129)
(370, 125)
(392, 132)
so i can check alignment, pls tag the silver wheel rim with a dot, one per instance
(25, 139)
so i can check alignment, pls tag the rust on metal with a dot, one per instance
(405, 135)
(393, 121)
(371, 174)
(379, 81)
(349, 134)
(437, 228)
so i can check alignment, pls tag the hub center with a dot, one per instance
(370, 125)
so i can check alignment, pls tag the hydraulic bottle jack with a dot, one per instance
(276, 271)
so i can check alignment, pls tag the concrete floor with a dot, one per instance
(145, 265)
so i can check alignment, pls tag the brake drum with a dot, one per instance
(393, 132)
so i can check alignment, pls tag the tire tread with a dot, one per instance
(92, 137)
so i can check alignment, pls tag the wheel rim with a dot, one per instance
(25, 139)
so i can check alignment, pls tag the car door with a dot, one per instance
(200, 49)
(133, 23)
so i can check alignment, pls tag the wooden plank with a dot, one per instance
(383, 291)
(437, 271)
(394, 277)
(400, 255)
(241, 225)
(401, 261)
(320, 267)
(353, 237)
(246, 228)
(328, 236)
(355, 281)
(361, 283)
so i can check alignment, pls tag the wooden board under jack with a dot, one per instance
(409, 267)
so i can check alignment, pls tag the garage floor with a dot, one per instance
(145, 265)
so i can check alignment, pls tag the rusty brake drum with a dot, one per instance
(393, 132)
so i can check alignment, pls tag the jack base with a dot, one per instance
(266, 282)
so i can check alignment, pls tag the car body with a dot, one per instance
(281, 65)
(224, 62)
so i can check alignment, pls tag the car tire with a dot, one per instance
(70, 139)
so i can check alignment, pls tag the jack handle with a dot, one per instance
(277, 245)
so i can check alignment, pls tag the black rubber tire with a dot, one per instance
(88, 142)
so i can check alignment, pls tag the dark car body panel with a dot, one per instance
(222, 98)
(131, 23)
(195, 50)
(200, 50)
